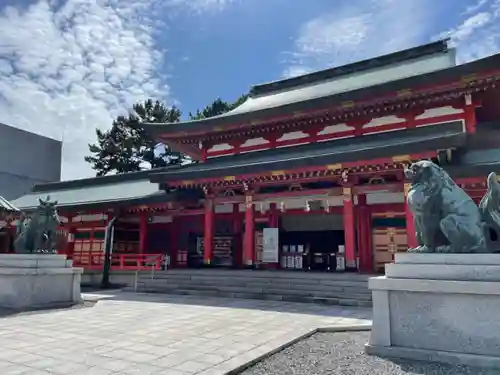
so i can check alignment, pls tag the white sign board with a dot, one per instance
(270, 248)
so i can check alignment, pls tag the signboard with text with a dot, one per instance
(270, 249)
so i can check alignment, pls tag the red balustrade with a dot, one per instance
(123, 262)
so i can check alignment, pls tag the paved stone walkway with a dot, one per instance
(156, 334)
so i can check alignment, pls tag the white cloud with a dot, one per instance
(363, 29)
(357, 30)
(69, 66)
(475, 7)
(478, 34)
(199, 6)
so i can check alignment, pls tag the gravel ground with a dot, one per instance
(343, 353)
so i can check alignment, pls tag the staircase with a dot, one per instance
(326, 288)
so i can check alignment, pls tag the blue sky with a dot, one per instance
(69, 66)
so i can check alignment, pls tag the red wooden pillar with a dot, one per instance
(349, 229)
(143, 232)
(273, 216)
(365, 246)
(410, 223)
(249, 239)
(174, 241)
(204, 154)
(208, 234)
(70, 244)
(237, 228)
(470, 114)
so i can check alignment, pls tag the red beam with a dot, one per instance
(400, 125)
(311, 169)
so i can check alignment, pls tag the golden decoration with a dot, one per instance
(348, 104)
(468, 78)
(277, 173)
(404, 93)
(401, 159)
(332, 167)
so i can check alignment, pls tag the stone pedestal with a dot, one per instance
(33, 281)
(438, 307)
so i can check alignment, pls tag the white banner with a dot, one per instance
(270, 248)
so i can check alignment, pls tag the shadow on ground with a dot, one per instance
(233, 303)
(5, 312)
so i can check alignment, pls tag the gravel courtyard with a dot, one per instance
(143, 334)
(342, 353)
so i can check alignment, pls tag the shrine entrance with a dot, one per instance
(312, 241)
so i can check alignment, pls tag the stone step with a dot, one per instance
(271, 274)
(312, 287)
(300, 288)
(254, 280)
(260, 296)
(365, 295)
(359, 289)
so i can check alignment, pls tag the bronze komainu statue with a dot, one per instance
(38, 233)
(446, 219)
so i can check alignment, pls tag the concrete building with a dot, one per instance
(26, 159)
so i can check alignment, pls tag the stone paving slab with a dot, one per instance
(127, 333)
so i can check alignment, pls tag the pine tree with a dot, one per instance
(127, 148)
(218, 107)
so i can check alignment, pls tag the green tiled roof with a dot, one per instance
(5, 205)
(90, 194)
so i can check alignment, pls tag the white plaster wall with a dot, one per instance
(385, 120)
(332, 129)
(161, 219)
(223, 208)
(292, 135)
(96, 217)
(220, 147)
(254, 142)
(385, 197)
(440, 111)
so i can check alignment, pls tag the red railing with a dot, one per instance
(125, 262)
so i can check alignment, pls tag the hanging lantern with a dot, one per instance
(308, 206)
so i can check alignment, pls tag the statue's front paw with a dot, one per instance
(420, 249)
(446, 249)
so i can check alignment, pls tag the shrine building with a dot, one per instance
(306, 174)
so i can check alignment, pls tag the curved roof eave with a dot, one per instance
(240, 115)
(6, 206)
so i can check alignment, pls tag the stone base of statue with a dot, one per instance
(38, 281)
(438, 307)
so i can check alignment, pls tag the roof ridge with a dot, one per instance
(440, 46)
